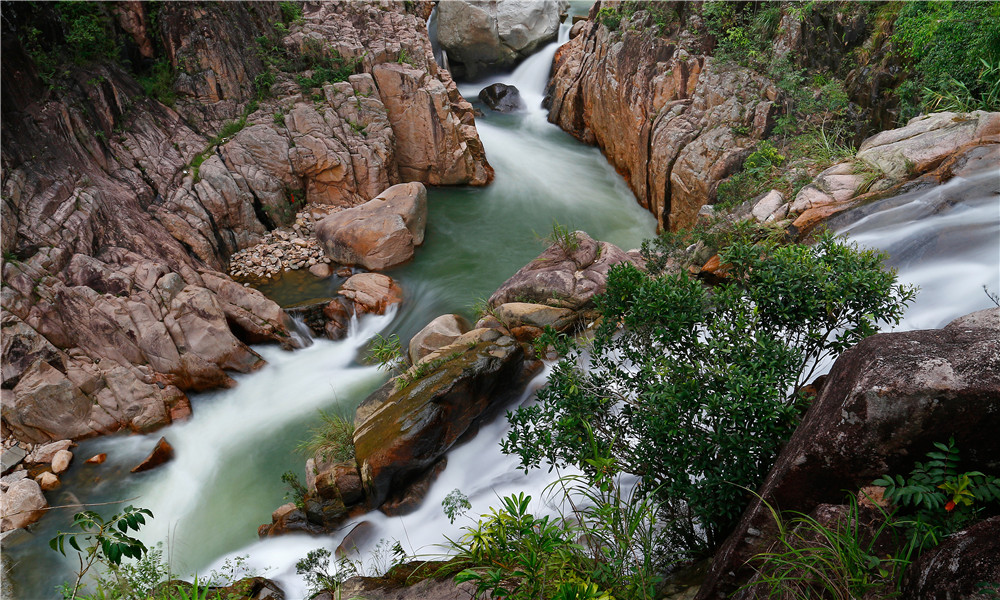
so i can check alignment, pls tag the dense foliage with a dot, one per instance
(955, 52)
(694, 389)
(938, 498)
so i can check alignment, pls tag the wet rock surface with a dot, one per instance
(501, 97)
(116, 231)
(161, 453)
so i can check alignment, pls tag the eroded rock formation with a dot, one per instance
(120, 213)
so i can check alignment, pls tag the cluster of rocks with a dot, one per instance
(459, 371)
(108, 322)
(31, 469)
(282, 249)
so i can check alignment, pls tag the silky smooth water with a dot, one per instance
(225, 478)
(224, 481)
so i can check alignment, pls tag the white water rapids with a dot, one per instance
(223, 482)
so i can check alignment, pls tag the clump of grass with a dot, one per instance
(838, 560)
(331, 439)
(564, 238)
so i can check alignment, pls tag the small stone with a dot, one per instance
(162, 453)
(99, 459)
(320, 270)
(47, 481)
(61, 460)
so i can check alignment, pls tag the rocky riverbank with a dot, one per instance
(117, 231)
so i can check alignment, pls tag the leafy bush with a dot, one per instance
(607, 548)
(609, 17)
(695, 390)
(107, 542)
(947, 42)
(159, 82)
(331, 439)
(757, 173)
(291, 12)
(941, 499)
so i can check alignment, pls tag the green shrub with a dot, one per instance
(291, 12)
(608, 548)
(159, 82)
(947, 42)
(676, 373)
(940, 499)
(331, 439)
(107, 542)
(609, 17)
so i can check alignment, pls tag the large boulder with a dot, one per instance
(371, 292)
(883, 406)
(485, 35)
(501, 97)
(959, 566)
(432, 144)
(440, 332)
(402, 431)
(380, 233)
(22, 504)
(567, 274)
(927, 140)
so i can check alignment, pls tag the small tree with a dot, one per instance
(696, 389)
(106, 541)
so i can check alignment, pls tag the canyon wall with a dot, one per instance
(120, 212)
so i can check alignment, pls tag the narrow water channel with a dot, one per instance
(224, 481)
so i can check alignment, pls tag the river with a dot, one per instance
(225, 479)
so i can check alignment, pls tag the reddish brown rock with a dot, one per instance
(884, 404)
(378, 234)
(97, 459)
(440, 332)
(563, 277)
(371, 292)
(161, 453)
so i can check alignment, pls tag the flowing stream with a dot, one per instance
(224, 481)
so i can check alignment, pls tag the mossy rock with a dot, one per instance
(400, 432)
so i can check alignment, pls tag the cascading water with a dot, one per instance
(224, 480)
(945, 240)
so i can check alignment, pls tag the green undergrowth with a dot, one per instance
(331, 439)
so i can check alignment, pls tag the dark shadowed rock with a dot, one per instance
(959, 566)
(883, 406)
(501, 97)
(162, 453)
(564, 275)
